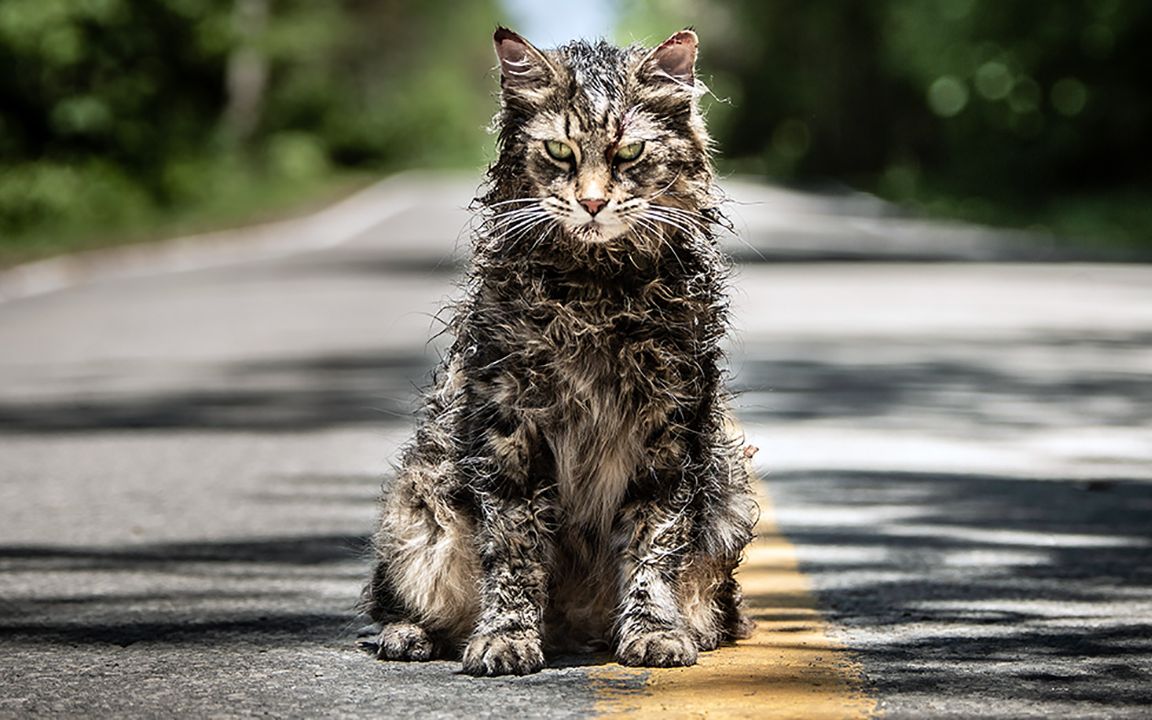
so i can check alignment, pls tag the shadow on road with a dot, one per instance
(982, 587)
(259, 591)
(968, 385)
(977, 387)
(283, 395)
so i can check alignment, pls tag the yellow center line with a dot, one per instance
(791, 667)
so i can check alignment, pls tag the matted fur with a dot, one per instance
(572, 482)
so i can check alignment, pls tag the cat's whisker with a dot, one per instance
(517, 201)
(513, 211)
(542, 236)
(686, 221)
(662, 234)
(671, 182)
(527, 219)
(672, 209)
(511, 220)
(532, 226)
(650, 226)
(675, 224)
(520, 223)
(703, 219)
(513, 200)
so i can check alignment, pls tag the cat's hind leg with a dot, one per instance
(392, 636)
(711, 603)
(709, 595)
(404, 641)
(422, 594)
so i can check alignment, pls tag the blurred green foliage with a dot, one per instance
(116, 115)
(1025, 112)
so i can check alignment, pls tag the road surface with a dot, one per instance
(958, 457)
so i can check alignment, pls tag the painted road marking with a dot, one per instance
(791, 667)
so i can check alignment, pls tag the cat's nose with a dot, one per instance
(592, 205)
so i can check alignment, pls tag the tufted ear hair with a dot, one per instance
(674, 60)
(522, 66)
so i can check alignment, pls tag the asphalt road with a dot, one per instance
(192, 437)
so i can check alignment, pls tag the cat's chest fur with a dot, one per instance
(595, 441)
(601, 371)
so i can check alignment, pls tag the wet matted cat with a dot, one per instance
(573, 482)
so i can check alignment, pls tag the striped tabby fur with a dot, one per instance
(573, 482)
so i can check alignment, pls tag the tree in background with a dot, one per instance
(1024, 111)
(114, 112)
(95, 98)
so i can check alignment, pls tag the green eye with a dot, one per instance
(558, 150)
(630, 152)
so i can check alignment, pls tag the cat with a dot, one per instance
(573, 482)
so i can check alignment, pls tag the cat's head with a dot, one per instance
(602, 142)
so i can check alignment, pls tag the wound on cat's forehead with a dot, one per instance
(626, 120)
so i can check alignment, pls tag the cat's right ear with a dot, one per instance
(522, 66)
(674, 60)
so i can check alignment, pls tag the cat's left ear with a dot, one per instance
(674, 60)
(522, 66)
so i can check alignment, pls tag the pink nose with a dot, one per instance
(593, 206)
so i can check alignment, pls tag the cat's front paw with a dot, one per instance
(662, 648)
(503, 654)
(403, 641)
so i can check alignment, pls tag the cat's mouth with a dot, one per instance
(598, 231)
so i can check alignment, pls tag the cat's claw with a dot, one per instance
(663, 648)
(403, 641)
(503, 654)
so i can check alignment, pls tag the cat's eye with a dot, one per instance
(558, 150)
(629, 152)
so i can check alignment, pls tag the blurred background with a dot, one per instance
(124, 120)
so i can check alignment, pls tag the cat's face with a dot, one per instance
(608, 142)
